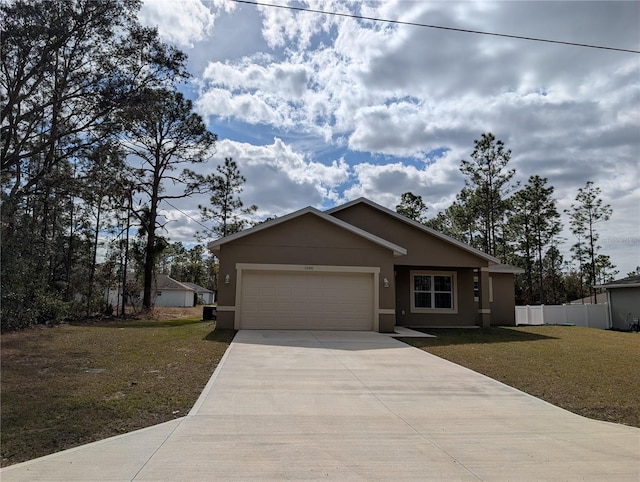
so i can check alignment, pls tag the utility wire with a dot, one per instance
(440, 27)
(192, 219)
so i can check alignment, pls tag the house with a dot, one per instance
(359, 266)
(204, 296)
(601, 298)
(623, 297)
(165, 291)
(168, 292)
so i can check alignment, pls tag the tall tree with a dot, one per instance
(103, 192)
(554, 292)
(458, 220)
(588, 211)
(521, 225)
(67, 68)
(413, 207)
(163, 134)
(488, 178)
(605, 270)
(227, 211)
(534, 224)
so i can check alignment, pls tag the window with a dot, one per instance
(433, 291)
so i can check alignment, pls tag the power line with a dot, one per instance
(192, 219)
(177, 209)
(439, 27)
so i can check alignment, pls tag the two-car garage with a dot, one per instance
(306, 271)
(306, 299)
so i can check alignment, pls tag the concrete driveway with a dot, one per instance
(287, 405)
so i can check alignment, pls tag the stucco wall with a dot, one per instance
(623, 302)
(423, 249)
(503, 307)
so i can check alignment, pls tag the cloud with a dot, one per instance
(280, 179)
(437, 182)
(357, 107)
(181, 22)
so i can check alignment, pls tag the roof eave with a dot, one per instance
(621, 285)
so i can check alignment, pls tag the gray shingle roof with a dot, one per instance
(628, 282)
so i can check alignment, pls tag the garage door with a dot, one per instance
(303, 300)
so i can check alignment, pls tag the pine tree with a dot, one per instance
(163, 134)
(413, 207)
(588, 211)
(68, 68)
(534, 224)
(227, 211)
(488, 180)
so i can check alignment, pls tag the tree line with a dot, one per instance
(521, 226)
(95, 138)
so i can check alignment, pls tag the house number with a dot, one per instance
(308, 268)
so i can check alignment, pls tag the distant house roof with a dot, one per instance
(628, 282)
(165, 282)
(197, 288)
(601, 298)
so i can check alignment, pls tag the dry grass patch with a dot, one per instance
(73, 384)
(590, 372)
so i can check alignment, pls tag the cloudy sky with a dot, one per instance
(318, 110)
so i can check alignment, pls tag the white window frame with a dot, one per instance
(475, 280)
(454, 292)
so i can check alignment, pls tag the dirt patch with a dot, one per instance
(172, 313)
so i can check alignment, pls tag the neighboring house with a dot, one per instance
(588, 300)
(623, 297)
(204, 296)
(359, 266)
(168, 292)
(165, 291)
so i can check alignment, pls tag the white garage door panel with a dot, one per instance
(306, 300)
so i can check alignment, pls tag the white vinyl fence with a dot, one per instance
(591, 316)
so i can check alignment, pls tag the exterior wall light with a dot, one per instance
(227, 279)
(385, 283)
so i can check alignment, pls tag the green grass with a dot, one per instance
(73, 384)
(594, 373)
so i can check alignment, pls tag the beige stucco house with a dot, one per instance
(358, 266)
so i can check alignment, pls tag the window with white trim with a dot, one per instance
(433, 291)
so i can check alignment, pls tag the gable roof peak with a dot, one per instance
(416, 224)
(397, 250)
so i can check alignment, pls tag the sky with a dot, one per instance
(318, 110)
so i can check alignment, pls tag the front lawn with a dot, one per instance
(72, 384)
(595, 373)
